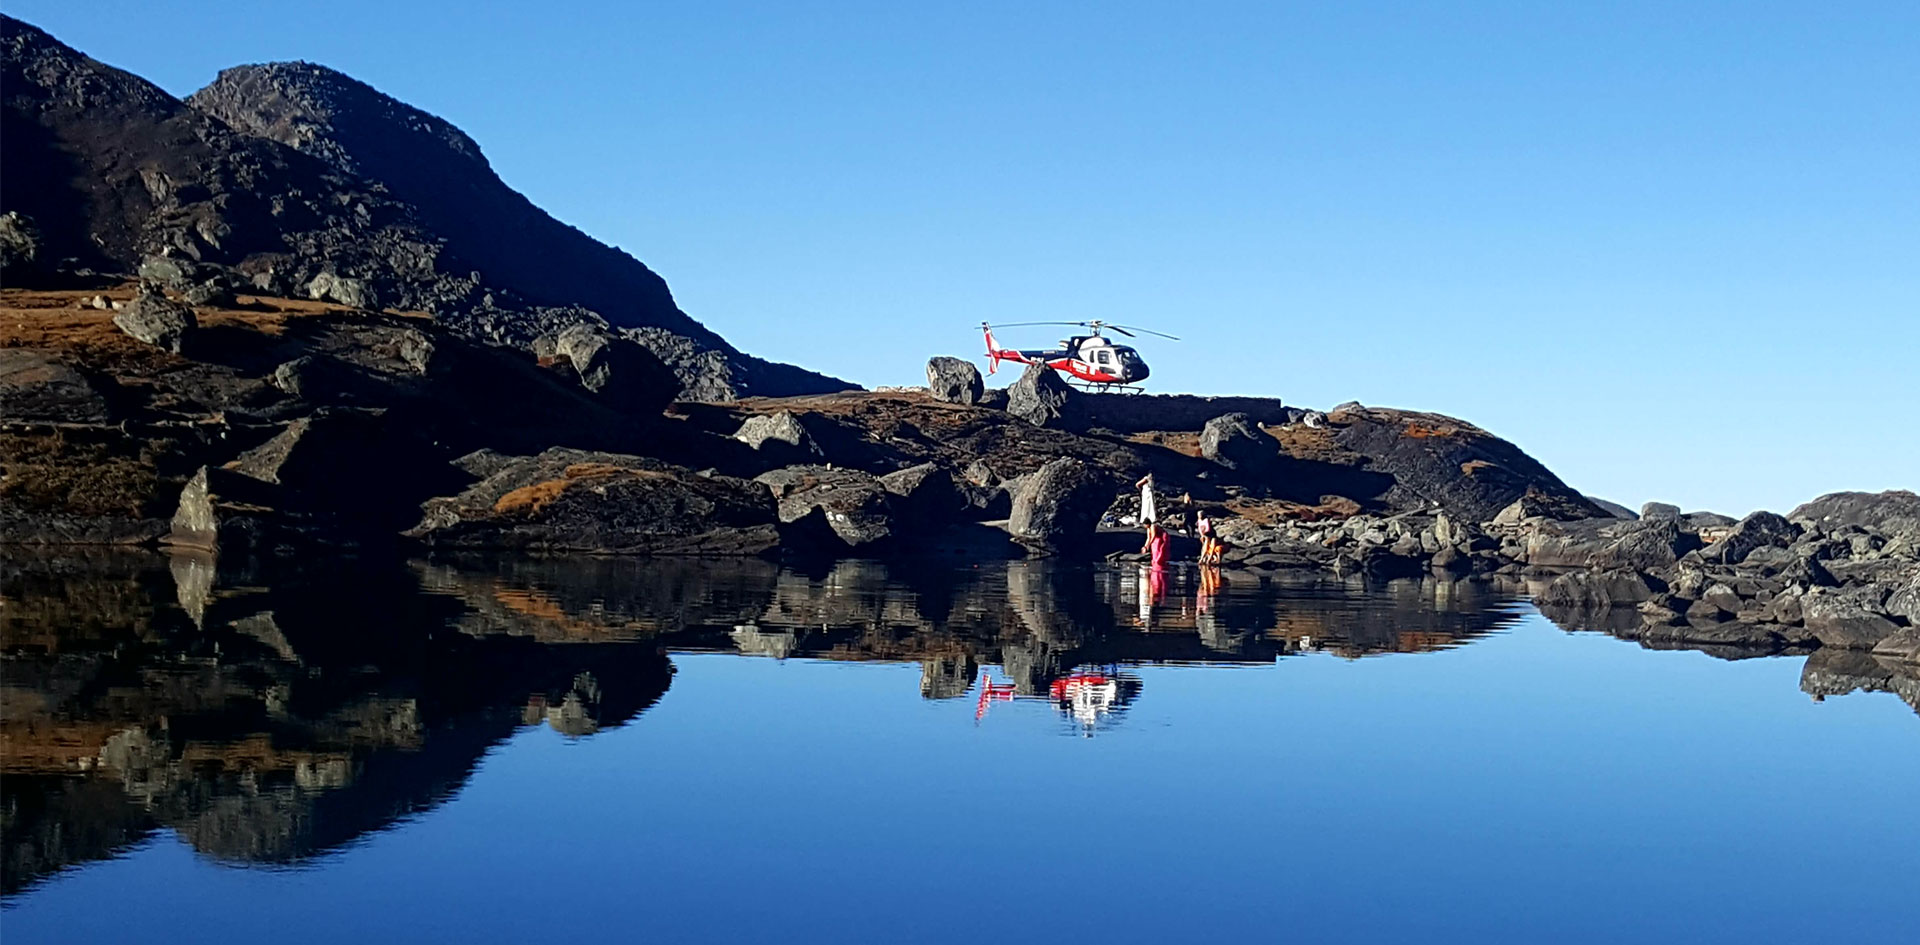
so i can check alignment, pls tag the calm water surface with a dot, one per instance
(688, 751)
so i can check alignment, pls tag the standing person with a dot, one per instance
(1157, 546)
(1203, 529)
(1187, 511)
(1149, 513)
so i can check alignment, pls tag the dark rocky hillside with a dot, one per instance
(297, 181)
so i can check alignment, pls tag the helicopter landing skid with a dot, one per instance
(1093, 387)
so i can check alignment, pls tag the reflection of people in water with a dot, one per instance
(1153, 587)
(1209, 586)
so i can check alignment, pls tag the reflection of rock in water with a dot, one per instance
(1831, 672)
(310, 708)
(947, 678)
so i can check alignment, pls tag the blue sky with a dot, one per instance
(1672, 249)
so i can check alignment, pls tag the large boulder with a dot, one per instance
(953, 381)
(1659, 510)
(1756, 531)
(1894, 512)
(35, 384)
(154, 319)
(604, 503)
(1041, 398)
(1603, 543)
(926, 495)
(850, 504)
(1850, 619)
(1233, 441)
(620, 371)
(782, 431)
(329, 286)
(1057, 507)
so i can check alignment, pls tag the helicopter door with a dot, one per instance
(1103, 361)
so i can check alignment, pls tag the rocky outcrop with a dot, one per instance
(1895, 513)
(603, 503)
(1441, 462)
(37, 384)
(953, 381)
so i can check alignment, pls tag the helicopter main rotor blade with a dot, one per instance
(1121, 330)
(1027, 324)
(1149, 331)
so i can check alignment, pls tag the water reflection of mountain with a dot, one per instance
(262, 719)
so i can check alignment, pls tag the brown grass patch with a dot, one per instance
(1276, 511)
(1186, 444)
(531, 499)
(1421, 431)
(1473, 466)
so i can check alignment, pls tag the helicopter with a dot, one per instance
(1090, 361)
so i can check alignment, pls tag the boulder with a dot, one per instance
(851, 504)
(1644, 544)
(1659, 510)
(1900, 645)
(1904, 602)
(1694, 521)
(604, 503)
(350, 470)
(1057, 507)
(1761, 529)
(1233, 441)
(1892, 513)
(1041, 398)
(1596, 590)
(925, 494)
(19, 248)
(332, 287)
(619, 371)
(777, 431)
(35, 384)
(1846, 619)
(1536, 505)
(953, 381)
(154, 319)
(228, 512)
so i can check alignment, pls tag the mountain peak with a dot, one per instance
(319, 110)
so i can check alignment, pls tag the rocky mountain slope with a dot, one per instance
(296, 180)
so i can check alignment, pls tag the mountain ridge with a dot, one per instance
(296, 179)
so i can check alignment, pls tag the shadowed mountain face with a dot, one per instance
(277, 176)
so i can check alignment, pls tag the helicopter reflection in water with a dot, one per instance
(1089, 697)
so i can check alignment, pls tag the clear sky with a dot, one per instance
(1672, 249)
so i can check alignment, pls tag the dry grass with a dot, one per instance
(1186, 444)
(529, 500)
(52, 471)
(1421, 431)
(31, 318)
(1276, 511)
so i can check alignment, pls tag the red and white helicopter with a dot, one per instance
(1090, 361)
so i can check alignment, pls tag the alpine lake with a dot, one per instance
(511, 750)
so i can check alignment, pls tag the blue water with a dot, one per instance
(1532, 785)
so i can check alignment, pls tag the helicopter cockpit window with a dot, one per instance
(1106, 357)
